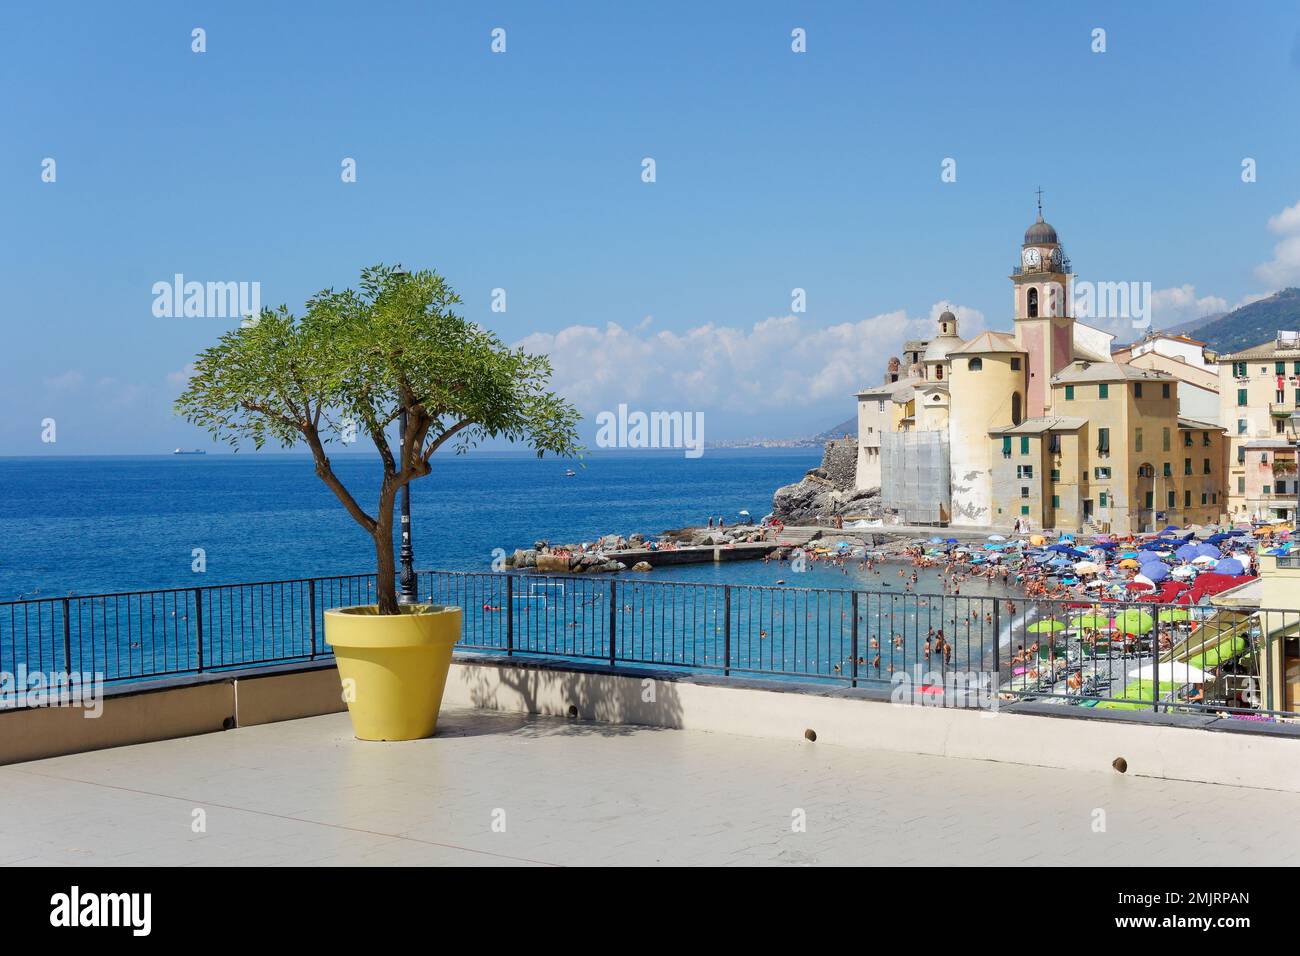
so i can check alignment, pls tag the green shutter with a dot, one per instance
(1241, 396)
(1069, 393)
(1006, 445)
(1056, 501)
(1103, 391)
(1024, 444)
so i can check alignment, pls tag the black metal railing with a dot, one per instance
(1106, 655)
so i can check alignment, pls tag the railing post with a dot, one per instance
(613, 623)
(997, 645)
(311, 600)
(726, 630)
(67, 639)
(854, 681)
(198, 623)
(1155, 660)
(510, 615)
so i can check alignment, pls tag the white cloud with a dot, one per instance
(181, 376)
(1287, 221)
(778, 364)
(68, 381)
(1181, 304)
(1284, 268)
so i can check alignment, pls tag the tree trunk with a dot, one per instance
(385, 565)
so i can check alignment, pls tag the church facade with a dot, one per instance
(1038, 427)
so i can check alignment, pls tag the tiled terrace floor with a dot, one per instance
(306, 792)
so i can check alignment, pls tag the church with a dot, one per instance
(1039, 427)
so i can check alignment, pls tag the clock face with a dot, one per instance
(1032, 258)
(1056, 256)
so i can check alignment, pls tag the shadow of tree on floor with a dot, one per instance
(607, 705)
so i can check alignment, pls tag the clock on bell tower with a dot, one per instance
(1044, 327)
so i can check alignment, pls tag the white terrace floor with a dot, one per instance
(306, 792)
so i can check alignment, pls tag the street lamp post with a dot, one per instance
(408, 593)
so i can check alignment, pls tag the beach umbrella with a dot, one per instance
(1218, 538)
(1186, 552)
(936, 541)
(1133, 621)
(1037, 540)
(1169, 614)
(1208, 550)
(1096, 622)
(1154, 572)
(996, 537)
(1046, 626)
(1128, 563)
(1105, 545)
(1144, 581)
(1187, 571)
(1229, 566)
(1176, 672)
(1087, 567)
(952, 541)
(1204, 561)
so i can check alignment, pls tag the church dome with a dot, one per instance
(947, 316)
(1040, 234)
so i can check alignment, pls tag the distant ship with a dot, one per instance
(570, 473)
(192, 451)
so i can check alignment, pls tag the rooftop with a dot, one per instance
(988, 342)
(1107, 372)
(1037, 426)
(570, 792)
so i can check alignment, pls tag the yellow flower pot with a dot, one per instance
(393, 667)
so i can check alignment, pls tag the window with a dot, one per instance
(1024, 471)
(1214, 497)
(1069, 393)
(1279, 368)
(1241, 454)
(1239, 369)
(1169, 470)
(1268, 489)
(1024, 491)
(1149, 497)
(1171, 499)
(1054, 443)
(1015, 365)
(1241, 486)
(1206, 469)
(1279, 396)
(938, 372)
(1015, 408)
(1056, 501)
(1103, 390)
(1187, 439)
(1024, 444)
(1164, 439)
(1204, 496)
(1241, 397)
(1137, 439)
(1187, 466)
(1164, 390)
(1101, 474)
(1056, 474)
(1137, 390)
(1006, 446)
(1101, 499)
(1205, 439)
(1024, 509)
(1187, 499)
(1033, 303)
(975, 364)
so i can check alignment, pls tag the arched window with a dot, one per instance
(975, 364)
(1015, 408)
(1033, 303)
(938, 371)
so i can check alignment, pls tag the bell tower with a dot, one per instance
(1044, 326)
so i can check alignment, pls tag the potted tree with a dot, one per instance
(350, 368)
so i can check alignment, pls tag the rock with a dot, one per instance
(540, 545)
(642, 566)
(552, 563)
(522, 559)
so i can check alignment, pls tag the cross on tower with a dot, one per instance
(1040, 203)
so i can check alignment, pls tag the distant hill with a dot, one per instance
(848, 427)
(1252, 324)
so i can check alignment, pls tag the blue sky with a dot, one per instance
(522, 171)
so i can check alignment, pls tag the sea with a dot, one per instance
(100, 526)
(73, 525)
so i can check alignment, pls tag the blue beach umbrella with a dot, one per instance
(1187, 552)
(1208, 550)
(1156, 572)
(1229, 566)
